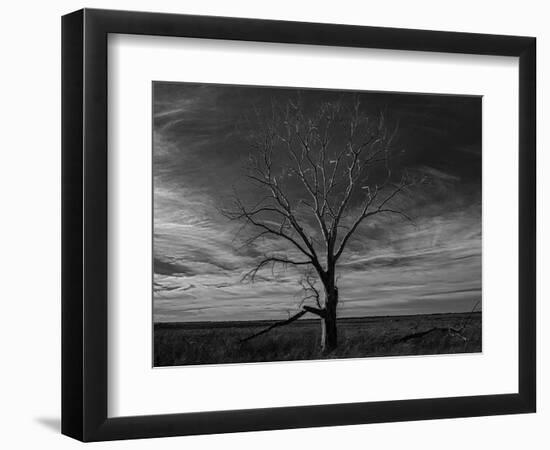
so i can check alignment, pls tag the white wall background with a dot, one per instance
(30, 225)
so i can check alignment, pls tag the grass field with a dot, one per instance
(219, 342)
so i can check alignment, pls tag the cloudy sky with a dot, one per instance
(391, 265)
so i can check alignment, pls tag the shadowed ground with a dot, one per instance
(219, 342)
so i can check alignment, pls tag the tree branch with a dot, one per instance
(275, 325)
(317, 311)
(365, 214)
(305, 310)
(251, 274)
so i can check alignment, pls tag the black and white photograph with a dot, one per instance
(273, 225)
(299, 224)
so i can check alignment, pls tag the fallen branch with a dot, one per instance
(450, 330)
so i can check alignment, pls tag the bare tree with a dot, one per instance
(322, 172)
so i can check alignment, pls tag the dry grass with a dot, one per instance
(216, 343)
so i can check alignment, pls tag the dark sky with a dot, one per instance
(392, 266)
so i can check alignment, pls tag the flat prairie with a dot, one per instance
(191, 343)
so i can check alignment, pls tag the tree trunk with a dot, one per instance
(329, 332)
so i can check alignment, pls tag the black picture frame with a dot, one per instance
(84, 224)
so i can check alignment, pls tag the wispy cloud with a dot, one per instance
(392, 267)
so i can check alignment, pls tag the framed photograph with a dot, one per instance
(273, 225)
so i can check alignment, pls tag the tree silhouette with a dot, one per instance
(322, 171)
